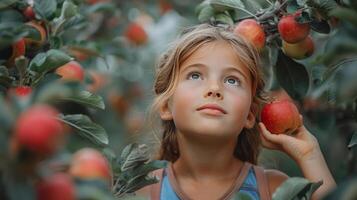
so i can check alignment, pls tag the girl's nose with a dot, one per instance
(214, 92)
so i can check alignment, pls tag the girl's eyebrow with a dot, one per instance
(226, 69)
(235, 69)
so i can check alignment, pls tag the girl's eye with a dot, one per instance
(194, 76)
(232, 81)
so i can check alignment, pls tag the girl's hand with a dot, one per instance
(301, 146)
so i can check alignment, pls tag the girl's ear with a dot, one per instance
(250, 121)
(165, 112)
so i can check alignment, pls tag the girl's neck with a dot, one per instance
(206, 159)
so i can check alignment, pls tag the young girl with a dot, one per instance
(209, 94)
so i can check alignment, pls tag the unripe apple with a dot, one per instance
(29, 13)
(252, 31)
(88, 163)
(38, 130)
(299, 50)
(136, 34)
(291, 31)
(72, 71)
(281, 117)
(59, 186)
(36, 43)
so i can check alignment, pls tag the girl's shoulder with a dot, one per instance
(274, 178)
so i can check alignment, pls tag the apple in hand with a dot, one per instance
(281, 117)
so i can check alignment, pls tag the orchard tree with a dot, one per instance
(48, 102)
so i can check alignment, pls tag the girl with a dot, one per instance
(209, 94)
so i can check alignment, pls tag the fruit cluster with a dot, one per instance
(296, 42)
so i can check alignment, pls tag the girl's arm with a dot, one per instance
(302, 147)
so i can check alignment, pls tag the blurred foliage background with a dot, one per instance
(117, 43)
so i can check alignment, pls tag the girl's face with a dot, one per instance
(213, 94)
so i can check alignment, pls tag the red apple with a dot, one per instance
(29, 13)
(72, 71)
(22, 91)
(252, 31)
(88, 163)
(58, 186)
(281, 117)
(291, 31)
(136, 34)
(38, 130)
(299, 50)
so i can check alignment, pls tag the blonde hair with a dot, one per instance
(248, 142)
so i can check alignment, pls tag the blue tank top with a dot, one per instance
(248, 188)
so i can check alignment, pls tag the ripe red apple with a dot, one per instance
(88, 163)
(299, 50)
(136, 34)
(38, 130)
(59, 186)
(291, 31)
(29, 13)
(23, 91)
(281, 117)
(252, 31)
(72, 71)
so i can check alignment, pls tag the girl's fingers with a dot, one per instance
(268, 144)
(277, 139)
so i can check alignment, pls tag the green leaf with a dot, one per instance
(223, 5)
(86, 128)
(252, 6)
(242, 196)
(223, 18)
(87, 99)
(7, 117)
(45, 8)
(323, 6)
(4, 71)
(206, 14)
(145, 169)
(7, 3)
(101, 7)
(345, 14)
(292, 76)
(52, 59)
(201, 6)
(353, 141)
(11, 16)
(295, 188)
(320, 26)
(292, 6)
(140, 182)
(68, 10)
(133, 155)
(344, 79)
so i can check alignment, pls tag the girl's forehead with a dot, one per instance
(216, 53)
